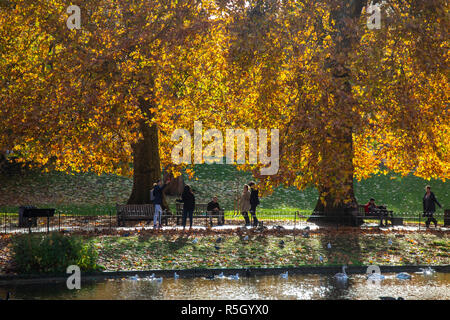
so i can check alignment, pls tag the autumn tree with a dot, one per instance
(349, 101)
(97, 98)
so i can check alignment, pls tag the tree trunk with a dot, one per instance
(176, 185)
(146, 162)
(337, 203)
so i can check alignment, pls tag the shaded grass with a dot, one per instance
(179, 252)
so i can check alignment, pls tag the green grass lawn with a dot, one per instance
(86, 193)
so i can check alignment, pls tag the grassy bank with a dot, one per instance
(86, 193)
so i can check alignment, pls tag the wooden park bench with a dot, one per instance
(137, 212)
(200, 212)
(395, 221)
(28, 217)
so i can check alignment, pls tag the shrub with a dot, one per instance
(52, 253)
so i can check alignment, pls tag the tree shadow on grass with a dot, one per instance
(345, 250)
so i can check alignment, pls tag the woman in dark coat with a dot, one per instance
(429, 207)
(188, 199)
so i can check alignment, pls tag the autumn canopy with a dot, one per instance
(349, 101)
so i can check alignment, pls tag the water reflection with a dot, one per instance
(305, 287)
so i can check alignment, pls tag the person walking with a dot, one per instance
(254, 202)
(157, 201)
(188, 199)
(429, 207)
(245, 204)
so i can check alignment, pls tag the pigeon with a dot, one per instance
(281, 243)
(194, 241)
(219, 240)
(305, 235)
(320, 258)
(390, 242)
(176, 276)
(211, 277)
(245, 238)
(221, 276)
(217, 247)
(284, 275)
(126, 234)
(329, 245)
(279, 228)
(306, 228)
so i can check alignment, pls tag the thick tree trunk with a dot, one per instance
(146, 163)
(337, 203)
(176, 185)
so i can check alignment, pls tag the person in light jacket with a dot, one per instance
(157, 201)
(245, 204)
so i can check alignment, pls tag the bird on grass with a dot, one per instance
(390, 242)
(219, 240)
(305, 235)
(217, 247)
(284, 275)
(320, 258)
(329, 245)
(221, 276)
(403, 276)
(245, 238)
(281, 243)
(194, 241)
(341, 276)
(307, 228)
(176, 276)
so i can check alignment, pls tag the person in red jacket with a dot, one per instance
(371, 207)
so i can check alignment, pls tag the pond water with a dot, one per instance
(305, 287)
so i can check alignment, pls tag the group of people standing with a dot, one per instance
(248, 202)
(188, 200)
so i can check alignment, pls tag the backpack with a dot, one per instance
(152, 196)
